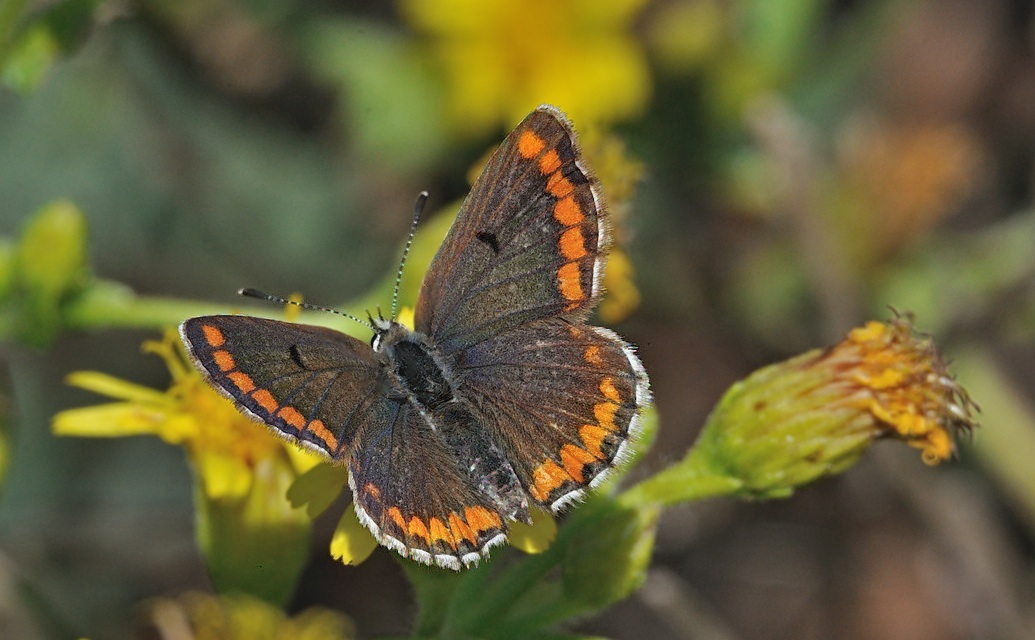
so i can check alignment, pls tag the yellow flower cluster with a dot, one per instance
(223, 445)
(903, 384)
(501, 59)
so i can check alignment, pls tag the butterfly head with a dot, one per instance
(387, 333)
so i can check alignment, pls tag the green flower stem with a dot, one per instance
(694, 478)
(106, 305)
(436, 595)
(508, 588)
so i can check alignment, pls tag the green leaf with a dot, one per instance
(609, 559)
(51, 259)
(49, 269)
(29, 49)
(30, 58)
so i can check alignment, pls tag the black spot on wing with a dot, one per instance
(296, 356)
(489, 239)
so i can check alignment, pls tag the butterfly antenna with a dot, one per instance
(262, 295)
(418, 209)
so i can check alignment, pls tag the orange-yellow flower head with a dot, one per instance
(814, 415)
(903, 384)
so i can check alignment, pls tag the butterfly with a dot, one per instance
(503, 397)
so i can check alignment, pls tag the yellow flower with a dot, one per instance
(206, 617)
(901, 382)
(619, 174)
(501, 59)
(223, 445)
(814, 415)
(254, 540)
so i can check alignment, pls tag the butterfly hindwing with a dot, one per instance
(562, 399)
(528, 243)
(411, 493)
(308, 383)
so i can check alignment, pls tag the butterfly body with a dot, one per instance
(501, 397)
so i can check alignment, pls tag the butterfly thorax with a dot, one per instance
(415, 362)
(418, 367)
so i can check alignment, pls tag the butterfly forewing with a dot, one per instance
(308, 383)
(528, 242)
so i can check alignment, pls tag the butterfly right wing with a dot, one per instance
(313, 385)
(528, 243)
(411, 493)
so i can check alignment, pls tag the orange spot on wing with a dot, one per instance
(607, 387)
(397, 518)
(558, 186)
(292, 417)
(460, 530)
(213, 336)
(321, 432)
(371, 489)
(546, 478)
(417, 528)
(593, 437)
(605, 412)
(550, 162)
(573, 244)
(574, 460)
(439, 531)
(481, 519)
(569, 281)
(592, 355)
(242, 381)
(529, 145)
(223, 360)
(567, 212)
(266, 400)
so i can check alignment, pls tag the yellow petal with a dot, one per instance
(406, 317)
(317, 488)
(171, 350)
(302, 459)
(108, 421)
(351, 543)
(613, 15)
(178, 428)
(222, 476)
(114, 387)
(536, 538)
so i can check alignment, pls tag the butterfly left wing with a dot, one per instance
(528, 243)
(310, 384)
